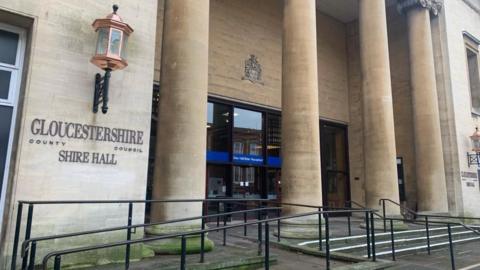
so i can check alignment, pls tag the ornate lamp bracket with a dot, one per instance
(101, 91)
(434, 6)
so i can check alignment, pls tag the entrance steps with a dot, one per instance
(408, 241)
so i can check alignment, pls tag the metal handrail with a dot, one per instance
(429, 215)
(58, 254)
(426, 221)
(362, 207)
(130, 203)
(382, 202)
(111, 229)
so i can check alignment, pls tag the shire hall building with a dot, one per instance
(222, 105)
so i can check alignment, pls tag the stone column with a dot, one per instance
(180, 159)
(301, 178)
(381, 180)
(431, 183)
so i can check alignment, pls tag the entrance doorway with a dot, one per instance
(334, 160)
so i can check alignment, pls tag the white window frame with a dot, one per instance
(12, 101)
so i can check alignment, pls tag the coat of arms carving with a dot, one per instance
(253, 70)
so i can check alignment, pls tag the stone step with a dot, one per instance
(382, 236)
(403, 242)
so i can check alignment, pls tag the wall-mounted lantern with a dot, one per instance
(474, 158)
(110, 53)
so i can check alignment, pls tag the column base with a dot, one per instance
(174, 245)
(300, 229)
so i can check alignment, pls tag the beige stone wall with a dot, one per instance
(461, 17)
(59, 86)
(332, 69)
(239, 28)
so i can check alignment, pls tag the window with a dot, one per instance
(12, 47)
(218, 125)
(473, 71)
(243, 151)
(248, 132)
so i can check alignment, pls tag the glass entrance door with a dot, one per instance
(334, 160)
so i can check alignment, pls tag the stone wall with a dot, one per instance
(58, 86)
(238, 29)
(461, 17)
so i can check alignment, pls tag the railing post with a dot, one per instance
(452, 254)
(267, 246)
(28, 231)
(327, 240)
(384, 216)
(259, 224)
(202, 235)
(184, 253)
(218, 212)
(31, 265)
(58, 263)
(129, 235)
(372, 221)
(427, 229)
(17, 236)
(278, 226)
(349, 225)
(224, 230)
(367, 229)
(320, 229)
(392, 238)
(245, 226)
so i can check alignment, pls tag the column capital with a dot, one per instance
(434, 6)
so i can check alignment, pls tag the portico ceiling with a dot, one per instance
(343, 10)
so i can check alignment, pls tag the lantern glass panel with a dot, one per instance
(115, 42)
(102, 41)
(476, 144)
(124, 47)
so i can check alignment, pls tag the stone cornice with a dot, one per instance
(434, 6)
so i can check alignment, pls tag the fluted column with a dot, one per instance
(381, 180)
(301, 178)
(431, 183)
(181, 134)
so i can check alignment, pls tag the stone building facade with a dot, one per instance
(318, 102)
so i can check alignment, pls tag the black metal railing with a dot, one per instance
(31, 204)
(426, 220)
(30, 243)
(57, 255)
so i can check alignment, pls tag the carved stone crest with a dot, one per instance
(253, 70)
(433, 5)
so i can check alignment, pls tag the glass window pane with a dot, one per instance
(218, 127)
(274, 139)
(5, 121)
(102, 42)
(8, 47)
(247, 136)
(217, 181)
(4, 83)
(115, 42)
(247, 182)
(273, 183)
(124, 47)
(474, 79)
